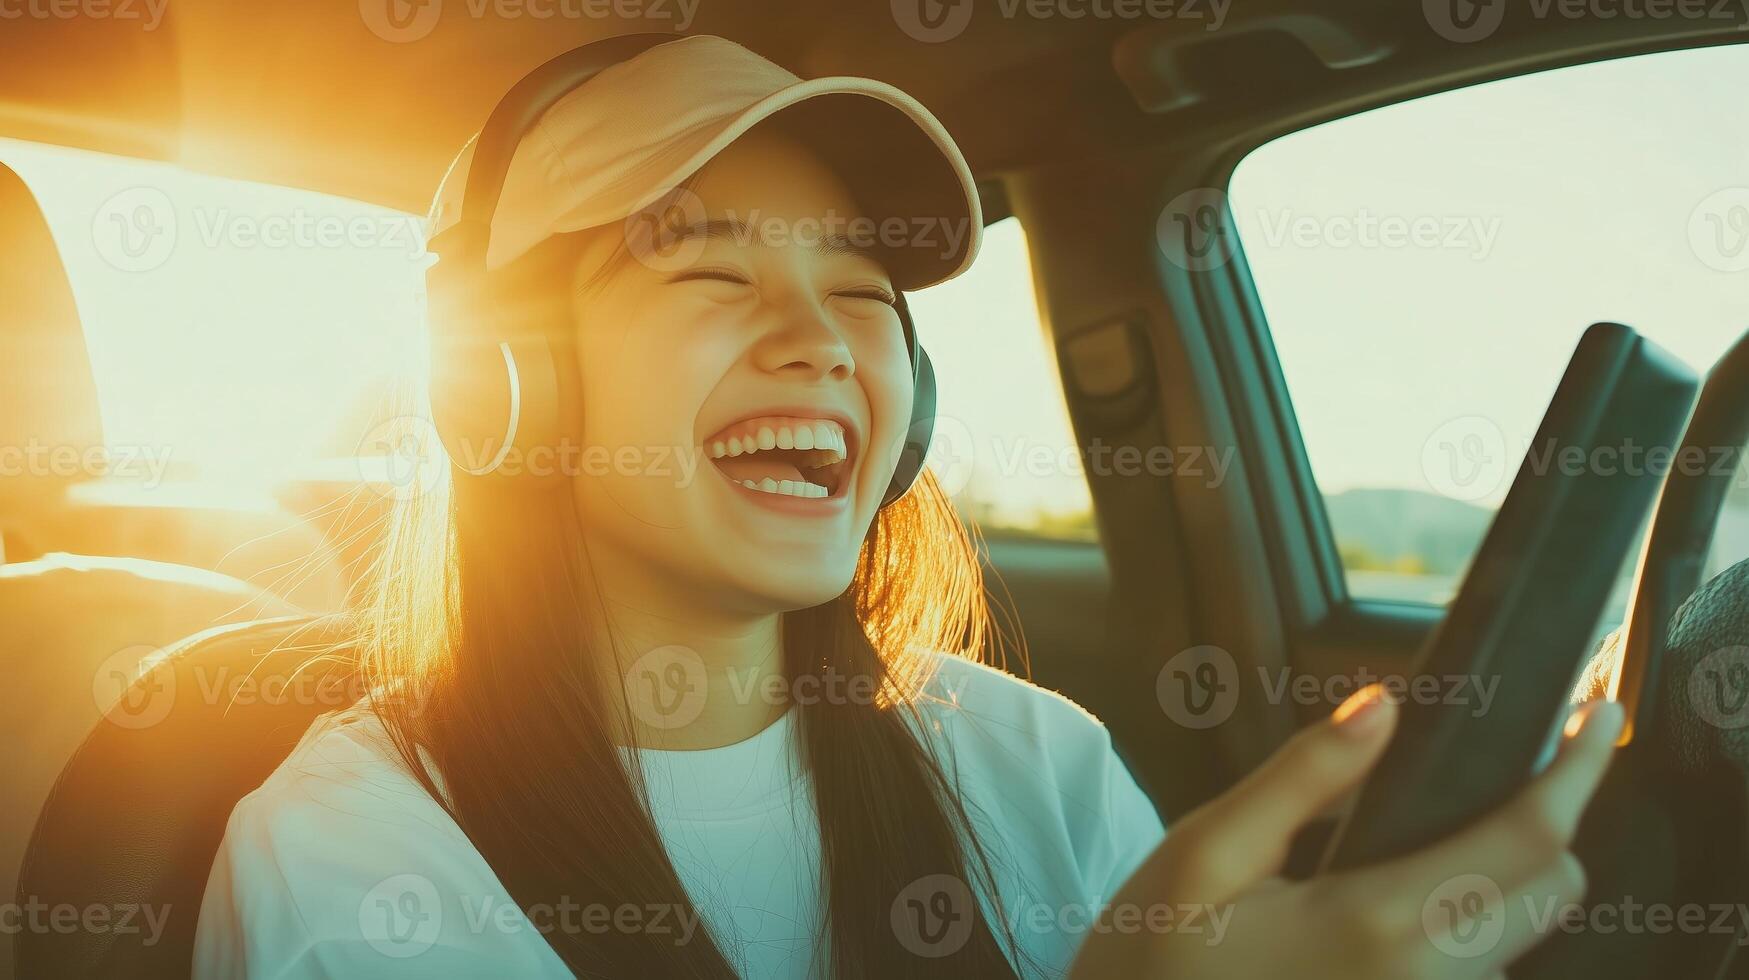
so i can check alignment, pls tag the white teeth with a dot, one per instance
(818, 435)
(787, 488)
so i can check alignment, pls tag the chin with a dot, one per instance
(802, 585)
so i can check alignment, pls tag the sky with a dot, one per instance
(241, 323)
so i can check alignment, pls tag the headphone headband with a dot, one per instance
(514, 115)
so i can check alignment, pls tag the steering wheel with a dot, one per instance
(1669, 827)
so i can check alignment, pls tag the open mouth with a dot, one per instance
(784, 455)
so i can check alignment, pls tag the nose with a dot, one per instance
(805, 345)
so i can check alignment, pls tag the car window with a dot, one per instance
(293, 310)
(240, 329)
(1003, 444)
(1427, 268)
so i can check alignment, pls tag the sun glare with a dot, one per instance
(243, 331)
(245, 336)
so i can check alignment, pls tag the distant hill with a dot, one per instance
(1731, 537)
(1406, 529)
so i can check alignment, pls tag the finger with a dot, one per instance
(1537, 910)
(1567, 787)
(1243, 836)
(1474, 929)
(1522, 840)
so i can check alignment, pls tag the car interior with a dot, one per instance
(1102, 141)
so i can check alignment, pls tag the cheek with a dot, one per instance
(642, 386)
(641, 395)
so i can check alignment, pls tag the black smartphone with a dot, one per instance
(1525, 618)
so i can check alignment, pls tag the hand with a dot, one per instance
(1416, 916)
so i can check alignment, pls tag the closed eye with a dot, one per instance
(875, 293)
(711, 275)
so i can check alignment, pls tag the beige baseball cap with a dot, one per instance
(630, 135)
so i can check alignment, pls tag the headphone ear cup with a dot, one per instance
(495, 394)
(917, 435)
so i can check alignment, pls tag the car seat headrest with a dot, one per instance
(50, 425)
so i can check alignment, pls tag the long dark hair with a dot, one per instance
(478, 603)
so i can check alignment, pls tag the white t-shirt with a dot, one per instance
(340, 864)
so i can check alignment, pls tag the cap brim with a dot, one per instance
(908, 176)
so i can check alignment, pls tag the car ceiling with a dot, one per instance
(303, 94)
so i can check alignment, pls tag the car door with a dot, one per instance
(1306, 286)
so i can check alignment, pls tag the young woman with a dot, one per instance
(707, 705)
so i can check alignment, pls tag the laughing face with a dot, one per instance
(743, 383)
